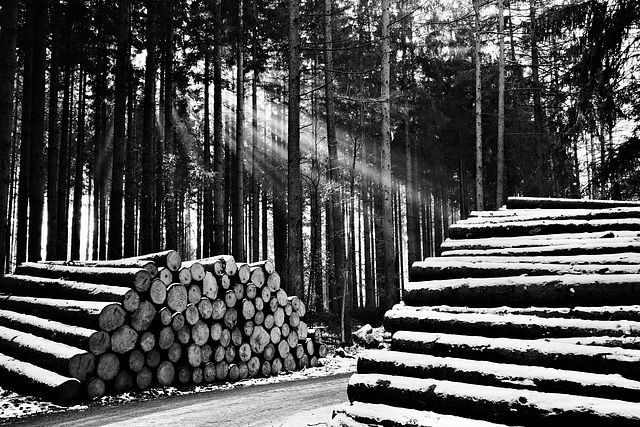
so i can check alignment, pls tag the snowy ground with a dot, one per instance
(14, 406)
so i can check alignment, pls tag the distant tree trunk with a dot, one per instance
(170, 154)
(238, 249)
(61, 230)
(218, 141)
(478, 102)
(412, 230)
(542, 177)
(119, 134)
(148, 232)
(390, 292)
(255, 223)
(279, 190)
(295, 201)
(335, 203)
(207, 211)
(315, 273)
(130, 184)
(500, 178)
(8, 40)
(228, 176)
(37, 165)
(53, 150)
(76, 215)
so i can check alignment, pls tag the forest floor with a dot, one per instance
(15, 407)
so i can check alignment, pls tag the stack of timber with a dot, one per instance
(530, 316)
(71, 331)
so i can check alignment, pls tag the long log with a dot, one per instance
(65, 289)
(586, 248)
(435, 270)
(142, 318)
(619, 312)
(136, 278)
(617, 236)
(61, 358)
(31, 379)
(552, 215)
(267, 265)
(521, 291)
(495, 404)
(541, 226)
(358, 414)
(559, 355)
(507, 325)
(498, 374)
(564, 203)
(624, 258)
(106, 316)
(150, 266)
(169, 258)
(97, 342)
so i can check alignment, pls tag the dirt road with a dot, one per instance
(286, 404)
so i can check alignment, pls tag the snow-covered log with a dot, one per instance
(61, 358)
(522, 291)
(498, 374)
(495, 404)
(97, 342)
(135, 278)
(436, 270)
(505, 325)
(563, 203)
(169, 258)
(586, 248)
(537, 227)
(15, 284)
(358, 414)
(106, 316)
(618, 312)
(623, 258)
(30, 379)
(596, 359)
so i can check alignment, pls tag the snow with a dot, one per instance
(14, 406)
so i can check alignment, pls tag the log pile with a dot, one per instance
(530, 316)
(77, 330)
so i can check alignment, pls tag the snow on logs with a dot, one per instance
(91, 328)
(494, 404)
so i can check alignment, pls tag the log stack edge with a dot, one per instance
(72, 331)
(530, 316)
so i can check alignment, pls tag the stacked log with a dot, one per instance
(530, 316)
(81, 330)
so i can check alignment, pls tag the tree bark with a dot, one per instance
(238, 243)
(478, 105)
(8, 41)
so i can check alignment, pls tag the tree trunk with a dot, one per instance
(500, 173)
(53, 147)
(295, 199)
(478, 104)
(131, 185)
(119, 134)
(36, 163)
(169, 166)
(76, 216)
(218, 141)
(208, 236)
(148, 232)
(389, 293)
(8, 40)
(238, 250)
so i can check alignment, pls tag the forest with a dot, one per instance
(337, 138)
